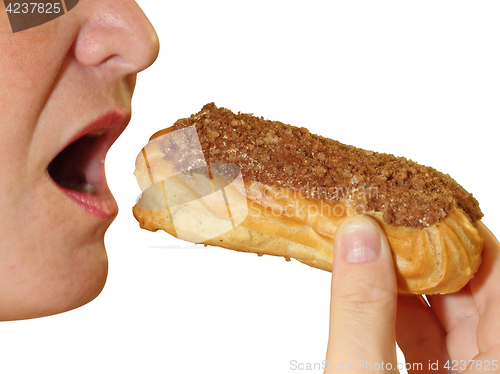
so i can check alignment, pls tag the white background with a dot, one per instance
(416, 79)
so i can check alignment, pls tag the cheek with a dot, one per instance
(30, 64)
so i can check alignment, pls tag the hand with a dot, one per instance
(367, 316)
(459, 327)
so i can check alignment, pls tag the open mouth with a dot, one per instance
(80, 166)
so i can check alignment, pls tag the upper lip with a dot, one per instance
(107, 127)
(112, 122)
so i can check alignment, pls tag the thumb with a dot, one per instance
(363, 301)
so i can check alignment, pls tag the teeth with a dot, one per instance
(80, 187)
(95, 134)
(86, 188)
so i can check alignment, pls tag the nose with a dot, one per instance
(117, 35)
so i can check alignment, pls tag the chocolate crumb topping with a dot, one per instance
(280, 155)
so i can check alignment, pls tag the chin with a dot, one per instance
(73, 283)
(86, 280)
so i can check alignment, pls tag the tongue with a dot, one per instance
(69, 167)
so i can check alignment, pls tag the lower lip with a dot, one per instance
(102, 206)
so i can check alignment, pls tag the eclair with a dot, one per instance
(245, 183)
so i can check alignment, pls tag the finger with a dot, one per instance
(458, 314)
(364, 292)
(419, 334)
(487, 280)
(485, 288)
(488, 330)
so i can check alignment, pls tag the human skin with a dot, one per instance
(367, 317)
(55, 80)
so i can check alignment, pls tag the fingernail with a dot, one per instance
(359, 241)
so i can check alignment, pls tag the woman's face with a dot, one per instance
(68, 80)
